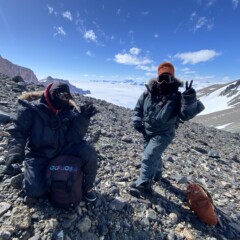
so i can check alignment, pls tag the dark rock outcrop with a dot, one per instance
(200, 154)
(12, 70)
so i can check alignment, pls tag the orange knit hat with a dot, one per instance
(166, 67)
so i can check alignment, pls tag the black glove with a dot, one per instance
(88, 110)
(139, 126)
(12, 170)
(13, 158)
(189, 90)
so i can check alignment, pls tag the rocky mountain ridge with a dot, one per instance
(12, 70)
(200, 154)
(73, 89)
(227, 99)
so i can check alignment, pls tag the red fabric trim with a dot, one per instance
(46, 95)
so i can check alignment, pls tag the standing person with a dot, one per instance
(157, 114)
(48, 127)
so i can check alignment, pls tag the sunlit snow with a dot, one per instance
(120, 94)
(213, 102)
(223, 126)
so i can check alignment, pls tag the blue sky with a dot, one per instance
(122, 39)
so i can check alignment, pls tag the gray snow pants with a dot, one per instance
(152, 157)
(34, 183)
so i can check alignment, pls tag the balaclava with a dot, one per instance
(167, 82)
(58, 95)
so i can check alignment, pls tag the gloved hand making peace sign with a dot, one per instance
(188, 89)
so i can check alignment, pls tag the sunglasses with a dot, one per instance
(63, 95)
(166, 78)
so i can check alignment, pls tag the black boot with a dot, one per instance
(145, 187)
(158, 176)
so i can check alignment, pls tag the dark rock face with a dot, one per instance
(231, 89)
(208, 156)
(13, 70)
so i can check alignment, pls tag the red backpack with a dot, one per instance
(64, 178)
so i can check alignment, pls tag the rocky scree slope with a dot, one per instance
(205, 155)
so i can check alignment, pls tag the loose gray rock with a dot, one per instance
(4, 207)
(197, 154)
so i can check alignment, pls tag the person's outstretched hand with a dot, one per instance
(88, 110)
(188, 88)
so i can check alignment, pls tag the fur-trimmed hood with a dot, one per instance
(37, 95)
(152, 82)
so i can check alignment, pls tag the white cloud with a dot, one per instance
(118, 93)
(131, 36)
(90, 54)
(145, 13)
(196, 57)
(211, 3)
(226, 79)
(135, 51)
(235, 3)
(129, 59)
(132, 58)
(201, 22)
(193, 16)
(67, 15)
(59, 31)
(147, 68)
(90, 35)
(204, 22)
(50, 9)
(187, 71)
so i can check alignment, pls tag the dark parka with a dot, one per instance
(162, 113)
(44, 133)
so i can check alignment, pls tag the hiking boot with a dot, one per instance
(90, 195)
(158, 176)
(29, 201)
(136, 191)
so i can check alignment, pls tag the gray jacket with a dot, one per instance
(162, 113)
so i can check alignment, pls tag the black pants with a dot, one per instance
(34, 183)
